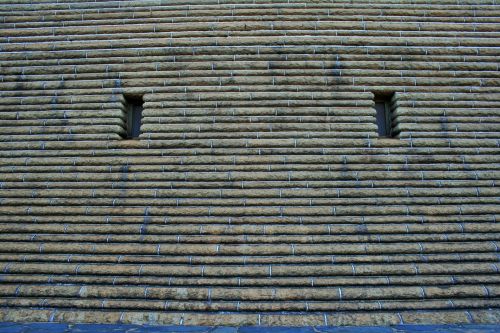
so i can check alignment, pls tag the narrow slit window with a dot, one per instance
(133, 107)
(383, 107)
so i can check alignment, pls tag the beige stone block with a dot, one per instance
(177, 293)
(435, 317)
(112, 291)
(139, 318)
(381, 269)
(105, 317)
(415, 305)
(270, 306)
(455, 291)
(393, 292)
(26, 315)
(224, 271)
(243, 294)
(363, 319)
(220, 319)
(343, 306)
(163, 318)
(490, 316)
(292, 320)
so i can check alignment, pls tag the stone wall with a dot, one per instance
(259, 191)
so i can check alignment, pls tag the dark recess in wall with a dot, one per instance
(133, 107)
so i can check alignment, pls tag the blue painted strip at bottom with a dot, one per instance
(109, 328)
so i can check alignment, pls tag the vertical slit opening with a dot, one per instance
(134, 105)
(384, 108)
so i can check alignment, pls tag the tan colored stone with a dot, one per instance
(363, 319)
(490, 316)
(105, 317)
(220, 319)
(292, 320)
(26, 315)
(435, 317)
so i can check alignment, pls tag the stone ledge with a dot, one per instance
(337, 319)
(10, 327)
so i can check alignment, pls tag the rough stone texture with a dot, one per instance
(105, 328)
(446, 317)
(259, 191)
(364, 319)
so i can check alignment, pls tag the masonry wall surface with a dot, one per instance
(258, 192)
